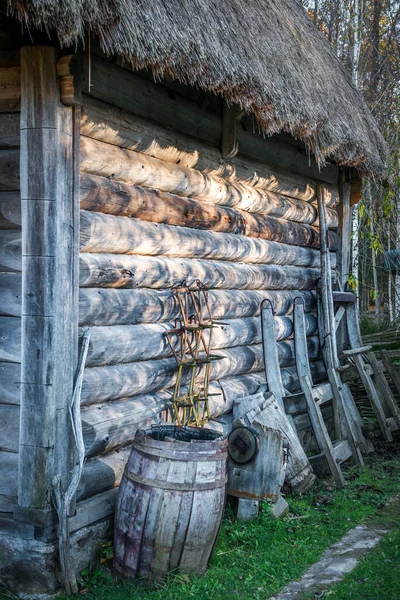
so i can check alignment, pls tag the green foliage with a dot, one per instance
(255, 560)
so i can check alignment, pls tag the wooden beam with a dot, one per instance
(121, 235)
(108, 306)
(344, 234)
(134, 168)
(125, 271)
(100, 194)
(49, 303)
(125, 380)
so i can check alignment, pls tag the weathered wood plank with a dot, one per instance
(134, 168)
(9, 430)
(9, 169)
(10, 386)
(100, 194)
(102, 473)
(102, 233)
(10, 339)
(9, 130)
(10, 210)
(102, 306)
(10, 88)
(119, 270)
(10, 251)
(128, 343)
(49, 313)
(9, 478)
(120, 381)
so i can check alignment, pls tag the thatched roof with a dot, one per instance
(265, 55)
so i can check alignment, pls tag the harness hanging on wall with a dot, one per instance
(191, 342)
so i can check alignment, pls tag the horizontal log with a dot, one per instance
(9, 130)
(10, 339)
(10, 88)
(9, 429)
(111, 197)
(134, 168)
(109, 124)
(102, 306)
(128, 343)
(100, 233)
(9, 481)
(9, 169)
(125, 380)
(10, 294)
(10, 251)
(10, 387)
(113, 424)
(121, 270)
(102, 473)
(131, 92)
(10, 210)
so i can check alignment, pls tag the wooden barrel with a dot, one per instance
(171, 502)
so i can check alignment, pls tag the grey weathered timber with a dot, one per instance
(10, 210)
(341, 452)
(10, 336)
(365, 375)
(297, 403)
(128, 343)
(102, 473)
(391, 369)
(132, 93)
(169, 518)
(120, 343)
(102, 233)
(247, 509)
(114, 424)
(9, 169)
(10, 386)
(263, 476)
(124, 380)
(9, 477)
(10, 86)
(122, 270)
(341, 413)
(299, 473)
(10, 251)
(9, 130)
(102, 306)
(134, 168)
(49, 303)
(9, 430)
(100, 194)
(344, 233)
(306, 384)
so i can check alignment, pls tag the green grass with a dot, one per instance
(375, 578)
(252, 561)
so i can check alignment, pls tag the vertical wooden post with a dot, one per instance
(343, 252)
(49, 277)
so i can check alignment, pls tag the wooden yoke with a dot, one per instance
(50, 213)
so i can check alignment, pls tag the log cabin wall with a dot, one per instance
(10, 277)
(158, 205)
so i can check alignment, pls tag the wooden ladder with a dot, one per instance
(383, 403)
(332, 452)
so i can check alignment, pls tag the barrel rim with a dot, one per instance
(194, 447)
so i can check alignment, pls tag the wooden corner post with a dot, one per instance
(50, 213)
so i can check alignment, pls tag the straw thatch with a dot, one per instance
(265, 55)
